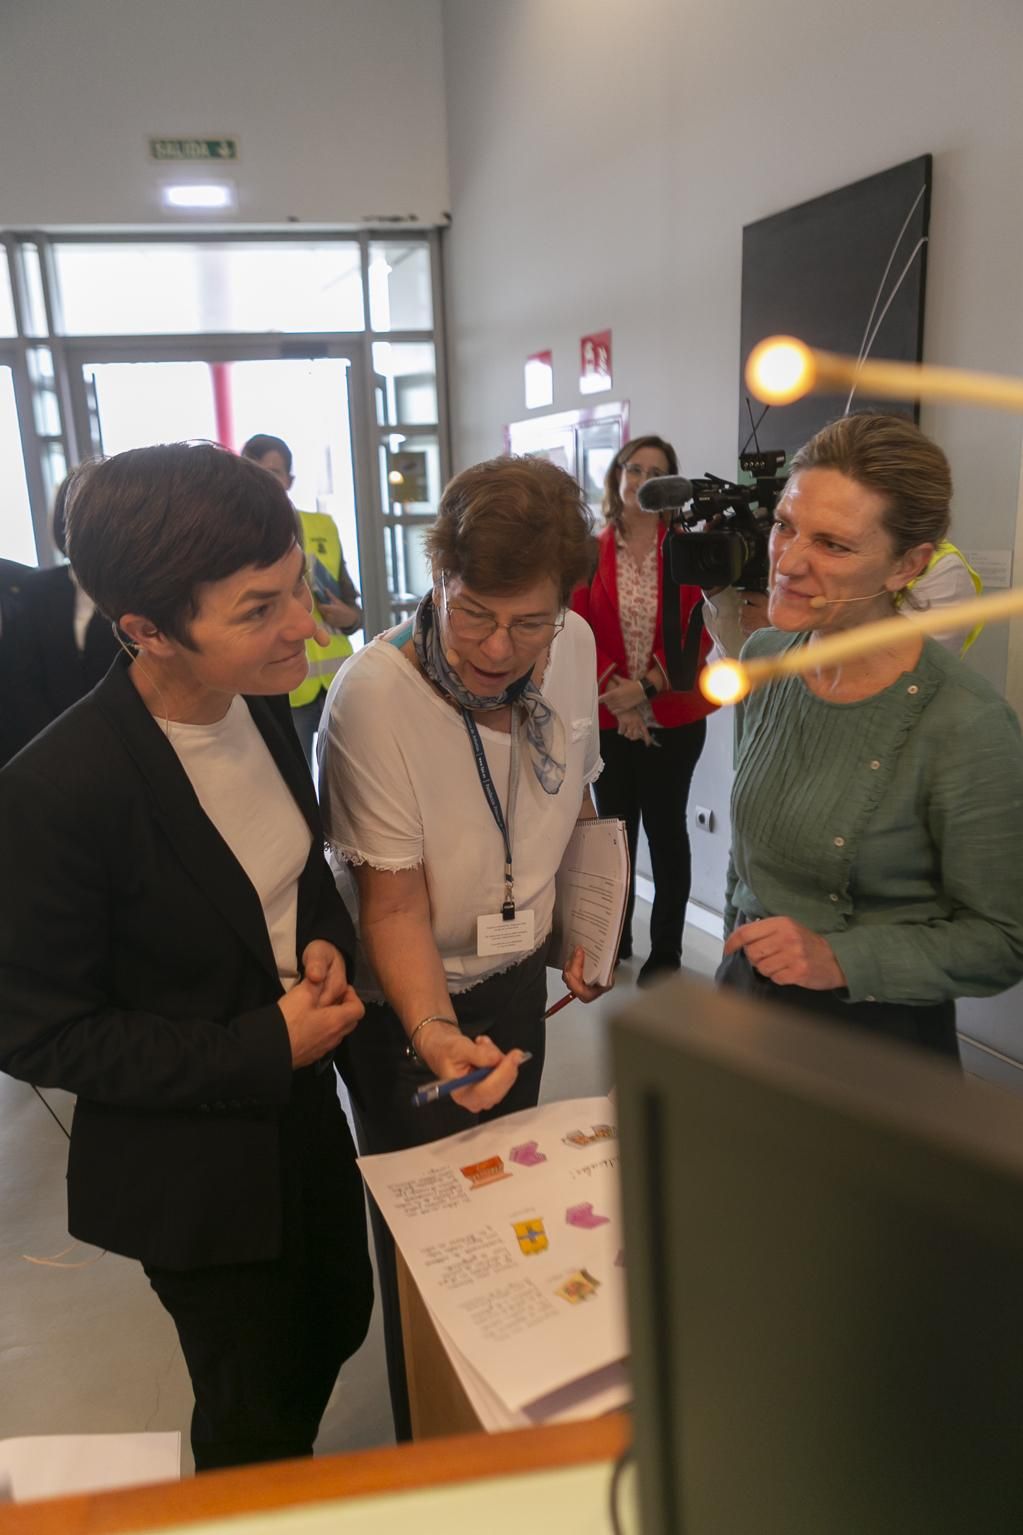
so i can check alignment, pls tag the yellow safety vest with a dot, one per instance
(941, 552)
(323, 541)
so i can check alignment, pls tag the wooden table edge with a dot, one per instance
(395, 1468)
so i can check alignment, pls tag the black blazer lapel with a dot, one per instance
(196, 841)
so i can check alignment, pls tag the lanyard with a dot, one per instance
(487, 783)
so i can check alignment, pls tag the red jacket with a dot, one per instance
(598, 604)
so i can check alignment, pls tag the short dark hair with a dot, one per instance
(259, 446)
(505, 524)
(612, 495)
(148, 527)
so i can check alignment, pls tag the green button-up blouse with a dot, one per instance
(893, 826)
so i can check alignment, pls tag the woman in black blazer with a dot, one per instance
(174, 952)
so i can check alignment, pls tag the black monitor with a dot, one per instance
(825, 1262)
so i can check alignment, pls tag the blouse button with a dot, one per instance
(912, 688)
(875, 765)
(840, 842)
(832, 896)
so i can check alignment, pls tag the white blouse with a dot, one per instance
(400, 789)
(637, 611)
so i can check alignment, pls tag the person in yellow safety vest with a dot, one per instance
(949, 578)
(341, 616)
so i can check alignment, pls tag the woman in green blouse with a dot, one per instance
(876, 870)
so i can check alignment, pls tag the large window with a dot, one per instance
(324, 340)
(185, 289)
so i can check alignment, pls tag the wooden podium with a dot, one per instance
(467, 1461)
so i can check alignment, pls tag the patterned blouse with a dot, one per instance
(637, 610)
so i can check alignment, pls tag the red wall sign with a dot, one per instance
(595, 362)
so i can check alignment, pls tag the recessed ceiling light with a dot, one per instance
(199, 194)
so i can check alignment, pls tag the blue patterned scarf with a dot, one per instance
(545, 734)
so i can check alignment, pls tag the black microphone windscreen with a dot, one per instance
(668, 492)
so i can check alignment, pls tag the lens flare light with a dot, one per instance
(780, 370)
(726, 682)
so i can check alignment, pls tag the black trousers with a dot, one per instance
(652, 782)
(382, 1078)
(932, 1028)
(264, 1341)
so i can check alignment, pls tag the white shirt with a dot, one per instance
(238, 785)
(400, 790)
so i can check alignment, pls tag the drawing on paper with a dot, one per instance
(482, 1174)
(584, 1218)
(532, 1237)
(598, 1133)
(526, 1155)
(578, 1287)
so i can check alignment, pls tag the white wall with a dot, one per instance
(603, 163)
(339, 106)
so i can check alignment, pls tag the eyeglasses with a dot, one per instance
(477, 624)
(634, 471)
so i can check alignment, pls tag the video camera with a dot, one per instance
(729, 547)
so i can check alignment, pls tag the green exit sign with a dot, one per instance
(193, 150)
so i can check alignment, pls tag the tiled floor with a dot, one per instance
(89, 1350)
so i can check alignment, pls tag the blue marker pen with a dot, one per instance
(434, 1090)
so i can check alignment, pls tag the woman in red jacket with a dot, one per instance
(650, 735)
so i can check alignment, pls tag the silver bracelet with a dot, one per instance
(410, 1049)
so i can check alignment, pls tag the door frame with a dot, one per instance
(351, 348)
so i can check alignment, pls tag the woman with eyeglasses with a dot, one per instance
(457, 756)
(651, 735)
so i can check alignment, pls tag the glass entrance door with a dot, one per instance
(304, 400)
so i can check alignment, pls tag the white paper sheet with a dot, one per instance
(49, 1465)
(512, 1232)
(590, 1397)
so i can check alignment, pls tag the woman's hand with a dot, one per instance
(324, 965)
(322, 1008)
(634, 727)
(572, 975)
(788, 953)
(339, 615)
(450, 1053)
(622, 695)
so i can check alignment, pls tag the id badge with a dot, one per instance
(496, 936)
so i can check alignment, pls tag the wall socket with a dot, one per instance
(703, 817)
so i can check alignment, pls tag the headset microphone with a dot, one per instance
(838, 602)
(452, 657)
(321, 636)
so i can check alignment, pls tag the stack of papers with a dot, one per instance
(512, 1233)
(591, 894)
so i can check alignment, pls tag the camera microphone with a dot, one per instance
(667, 493)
